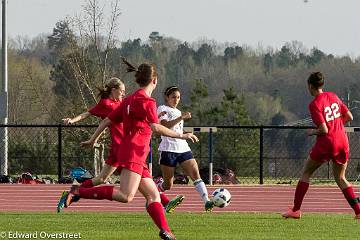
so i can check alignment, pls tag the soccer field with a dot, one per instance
(185, 225)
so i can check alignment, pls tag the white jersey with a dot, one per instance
(169, 144)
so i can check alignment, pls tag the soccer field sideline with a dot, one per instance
(267, 199)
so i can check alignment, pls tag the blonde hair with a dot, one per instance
(105, 91)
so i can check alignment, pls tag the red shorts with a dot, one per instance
(135, 167)
(340, 158)
(111, 160)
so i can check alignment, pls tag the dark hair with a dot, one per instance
(316, 79)
(168, 91)
(105, 91)
(143, 74)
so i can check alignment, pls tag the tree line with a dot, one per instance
(54, 76)
(57, 76)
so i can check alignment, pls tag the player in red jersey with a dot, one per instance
(111, 96)
(139, 117)
(329, 114)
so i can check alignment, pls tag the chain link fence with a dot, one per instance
(267, 154)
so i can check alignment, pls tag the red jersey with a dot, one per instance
(329, 109)
(104, 107)
(136, 112)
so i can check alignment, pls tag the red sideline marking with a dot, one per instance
(269, 198)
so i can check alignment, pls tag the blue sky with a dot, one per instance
(331, 25)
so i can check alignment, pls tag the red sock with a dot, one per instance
(103, 192)
(300, 192)
(350, 196)
(164, 199)
(157, 214)
(87, 184)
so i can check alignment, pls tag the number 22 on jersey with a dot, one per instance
(332, 112)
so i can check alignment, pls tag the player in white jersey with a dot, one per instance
(173, 151)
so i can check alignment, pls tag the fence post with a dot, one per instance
(98, 157)
(211, 157)
(59, 152)
(150, 158)
(261, 165)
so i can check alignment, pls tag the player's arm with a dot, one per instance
(164, 131)
(347, 117)
(172, 123)
(93, 139)
(321, 130)
(79, 117)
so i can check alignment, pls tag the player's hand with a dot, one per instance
(162, 114)
(186, 115)
(67, 121)
(310, 132)
(87, 144)
(190, 136)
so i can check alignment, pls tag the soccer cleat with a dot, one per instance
(166, 235)
(209, 205)
(170, 207)
(291, 214)
(62, 200)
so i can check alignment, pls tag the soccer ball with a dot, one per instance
(221, 197)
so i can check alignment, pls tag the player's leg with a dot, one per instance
(104, 175)
(149, 190)
(339, 171)
(191, 169)
(129, 183)
(168, 179)
(302, 187)
(167, 166)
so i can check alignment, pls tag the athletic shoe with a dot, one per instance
(357, 216)
(170, 207)
(209, 205)
(291, 214)
(62, 200)
(166, 235)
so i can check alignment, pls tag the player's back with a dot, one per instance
(332, 109)
(135, 112)
(328, 108)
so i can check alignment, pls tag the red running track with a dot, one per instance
(268, 198)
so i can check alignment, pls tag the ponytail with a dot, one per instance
(129, 66)
(144, 74)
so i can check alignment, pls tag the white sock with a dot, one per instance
(201, 189)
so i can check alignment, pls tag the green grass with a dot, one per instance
(185, 225)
